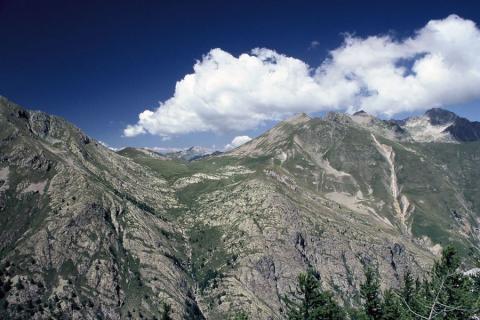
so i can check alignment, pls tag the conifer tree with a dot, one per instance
(309, 302)
(409, 289)
(392, 308)
(370, 293)
(447, 294)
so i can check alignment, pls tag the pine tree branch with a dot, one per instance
(431, 315)
(409, 308)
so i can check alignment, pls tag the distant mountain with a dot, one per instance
(89, 233)
(141, 152)
(438, 125)
(190, 154)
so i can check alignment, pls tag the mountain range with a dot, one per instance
(86, 232)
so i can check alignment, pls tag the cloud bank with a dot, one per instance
(237, 142)
(438, 65)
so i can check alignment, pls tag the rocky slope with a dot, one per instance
(91, 233)
(84, 231)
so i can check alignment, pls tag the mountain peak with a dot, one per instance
(440, 116)
(298, 118)
(337, 117)
(363, 117)
(360, 113)
(41, 124)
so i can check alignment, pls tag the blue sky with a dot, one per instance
(99, 64)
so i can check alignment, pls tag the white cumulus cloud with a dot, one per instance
(438, 65)
(106, 145)
(237, 142)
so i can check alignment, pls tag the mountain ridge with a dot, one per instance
(122, 234)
